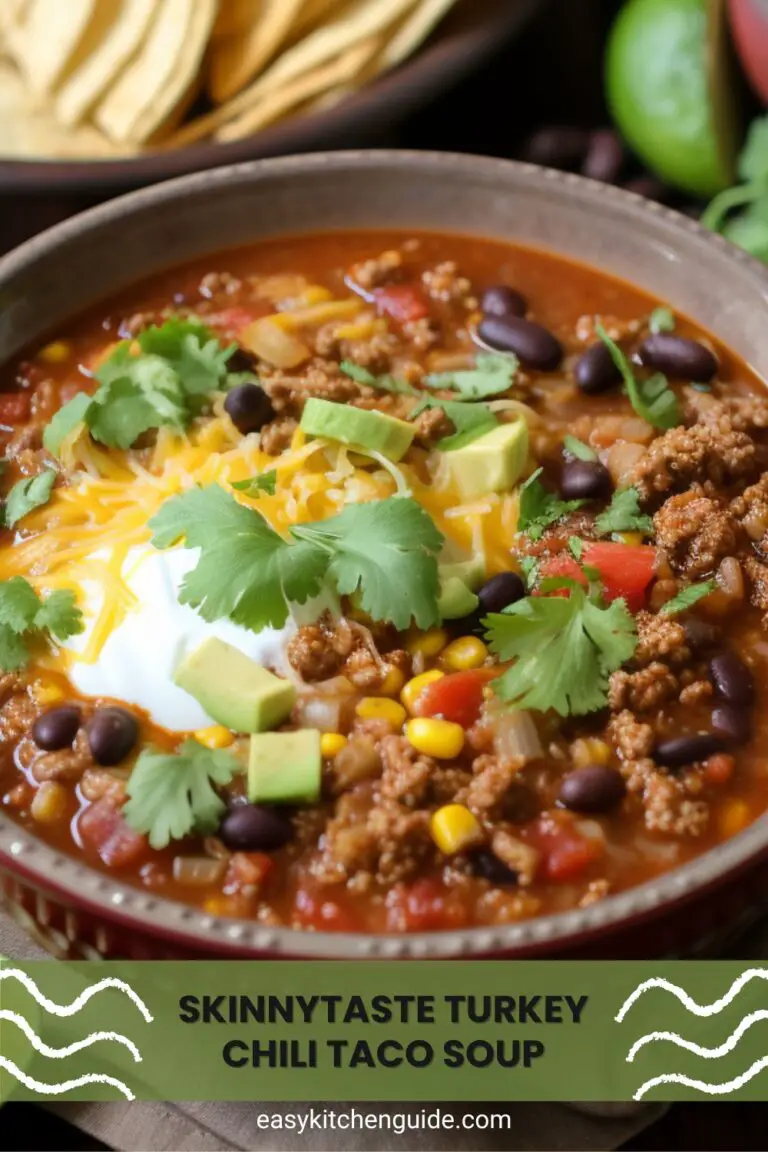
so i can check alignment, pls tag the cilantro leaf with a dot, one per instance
(578, 448)
(490, 376)
(24, 616)
(385, 383)
(624, 515)
(540, 508)
(652, 399)
(661, 320)
(564, 651)
(239, 573)
(192, 351)
(65, 421)
(255, 485)
(172, 795)
(27, 495)
(575, 547)
(470, 421)
(687, 597)
(387, 549)
(529, 566)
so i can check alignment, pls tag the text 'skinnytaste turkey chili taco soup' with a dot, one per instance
(378, 582)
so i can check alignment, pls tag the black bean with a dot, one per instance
(557, 147)
(501, 591)
(492, 869)
(253, 828)
(732, 679)
(682, 750)
(501, 300)
(592, 789)
(701, 635)
(112, 732)
(241, 361)
(57, 728)
(249, 408)
(677, 357)
(595, 370)
(585, 480)
(605, 156)
(733, 723)
(534, 346)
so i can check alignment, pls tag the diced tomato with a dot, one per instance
(424, 906)
(14, 407)
(719, 769)
(458, 697)
(247, 871)
(626, 570)
(403, 302)
(324, 915)
(102, 827)
(565, 853)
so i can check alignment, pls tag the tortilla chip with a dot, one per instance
(313, 13)
(236, 17)
(158, 79)
(277, 103)
(50, 37)
(414, 31)
(81, 91)
(26, 133)
(235, 60)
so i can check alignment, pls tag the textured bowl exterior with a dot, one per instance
(78, 911)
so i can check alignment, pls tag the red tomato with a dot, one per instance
(247, 871)
(626, 570)
(324, 915)
(458, 697)
(103, 828)
(403, 302)
(424, 906)
(565, 852)
(14, 407)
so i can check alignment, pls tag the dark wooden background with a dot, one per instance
(551, 75)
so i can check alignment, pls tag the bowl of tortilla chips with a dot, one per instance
(101, 94)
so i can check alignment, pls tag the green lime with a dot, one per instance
(667, 82)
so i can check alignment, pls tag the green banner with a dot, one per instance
(333, 1031)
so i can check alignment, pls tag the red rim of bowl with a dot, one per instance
(82, 887)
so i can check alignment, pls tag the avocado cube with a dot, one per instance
(455, 599)
(355, 426)
(233, 689)
(492, 463)
(285, 767)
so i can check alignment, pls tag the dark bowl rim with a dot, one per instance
(84, 887)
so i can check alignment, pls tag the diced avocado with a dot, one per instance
(470, 571)
(492, 463)
(357, 427)
(285, 767)
(233, 689)
(455, 600)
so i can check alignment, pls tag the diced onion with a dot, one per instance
(532, 418)
(272, 343)
(730, 578)
(198, 871)
(516, 736)
(328, 707)
(621, 460)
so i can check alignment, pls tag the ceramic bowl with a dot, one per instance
(42, 284)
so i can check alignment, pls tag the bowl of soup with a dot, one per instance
(384, 568)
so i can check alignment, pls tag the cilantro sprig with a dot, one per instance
(26, 495)
(266, 482)
(687, 597)
(623, 515)
(540, 508)
(491, 376)
(385, 383)
(24, 617)
(578, 449)
(171, 795)
(164, 383)
(662, 319)
(652, 399)
(469, 420)
(564, 649)
(385, 551)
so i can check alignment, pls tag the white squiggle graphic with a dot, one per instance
(65, 1085)
(73, 1008)
(686, 1000)
(61, 1053)
(710, 1089)
(707, 1053)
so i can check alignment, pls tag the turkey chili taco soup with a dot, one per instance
(372, 582)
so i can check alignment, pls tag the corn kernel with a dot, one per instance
(439, 738)
(428, 643)
(217, 736)
(454, 828)
(47, 692)
(633, 539)
(49, 804)
(465, 653)
(56, 353)
(414, 688)
(590, 751)
(363, 330)
(315, 294)
(380, 708)
(733, 818)
(331, 743)
(393, 682)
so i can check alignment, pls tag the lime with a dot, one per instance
(667, 83)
